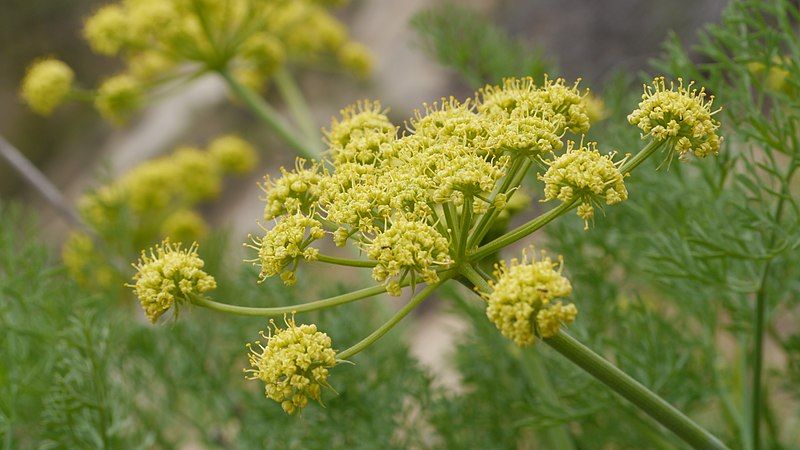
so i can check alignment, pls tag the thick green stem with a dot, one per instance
(394, 320)
(297, 105)
(345, 261)
(633, 391)
(270, 116)
(465, 224)
(450, 217)
(639, 158)
(528, 228)
(521, 231)
(281, 310)
(620, 382)
(484, 224)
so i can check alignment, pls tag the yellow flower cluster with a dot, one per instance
(585, 174)
(295, 191)
(361, 135)
(233, 154)
(153, 201)
(523, 303)
(46, 85)
(252, 38)
(400, 197)
(408, 246)
(531, 119)
(293, 363)
(285, 244)
(166, 277)
(774, 75)
(117, 97)
(163, 41)
(679, 114)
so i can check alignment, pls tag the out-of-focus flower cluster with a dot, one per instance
(154, 200)
(164, 41)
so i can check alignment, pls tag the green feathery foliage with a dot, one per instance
(477, 50)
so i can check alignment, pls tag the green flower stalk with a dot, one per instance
(420, 203)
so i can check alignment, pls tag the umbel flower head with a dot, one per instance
(429, 205)
(524, 304)
(282, 246)
(293, 363)
(407, 248)
(680, 114)
(167, 275)
(412, 201)
(46, 85)
(583, 173)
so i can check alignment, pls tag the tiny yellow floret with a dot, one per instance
(282, 246)
(107, 30)
(356, 58)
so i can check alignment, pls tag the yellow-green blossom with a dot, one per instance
(450, 119)
(522, 301)
(106, 30)
(84, 264)
(294, 191)
(154, 200)
(405, 249)
(356, 58)
(293, 363)
(567, 102)
(555, 101)
(184, 225)
(167, 276)
(679, 114)
(117, 97)
(583, 173)
(595, 108)
(233, 154)
(362, 135)
(282, 246)
(46, 85)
